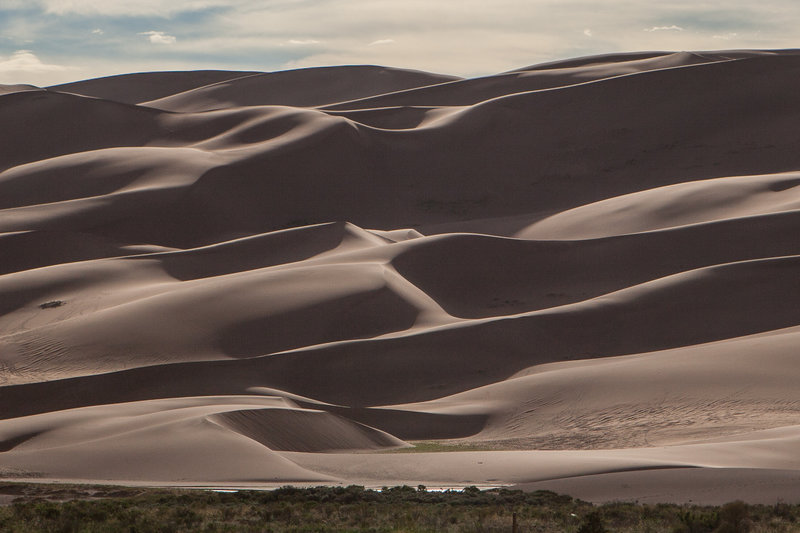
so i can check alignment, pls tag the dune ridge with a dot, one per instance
(583, 272)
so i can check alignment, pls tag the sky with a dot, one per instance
(45, 42)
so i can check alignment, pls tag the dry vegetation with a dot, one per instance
(65, 508)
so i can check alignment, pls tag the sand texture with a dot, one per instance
(581, 276)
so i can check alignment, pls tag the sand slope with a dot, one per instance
(587, 270)
(303, 88)
(143, 86)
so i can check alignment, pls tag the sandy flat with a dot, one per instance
(700, 486)
(579, 276)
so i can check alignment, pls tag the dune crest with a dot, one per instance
(564, 275)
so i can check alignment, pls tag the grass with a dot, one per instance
(355, 509)
(427, 447)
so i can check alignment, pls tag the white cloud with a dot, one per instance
(97, 31)
(24, 67)
(588, 32)
(26, 61)
(303, 42)
(665, 28)
(726, 36)
(159, 37)
(380, 42)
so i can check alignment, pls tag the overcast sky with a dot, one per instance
(44, 42)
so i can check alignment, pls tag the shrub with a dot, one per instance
(734, 518)
(592, 523)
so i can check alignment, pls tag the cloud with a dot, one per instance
(474, 38)
(23, 66)
(15, 4)
(159, 37)
(137, 8)
(26, 61)
(97, 31)
(664, 28)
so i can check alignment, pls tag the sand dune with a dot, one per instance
(146, 441)
(301, 88)
(585, 271)
(676, 205)
(143, 86)
(765, 450)
(709, 486)
(536, 77)
(47, 125)
(10, 89)
(656, 398)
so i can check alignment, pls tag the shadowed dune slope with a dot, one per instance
(143, 86)
(476, 276)
(681, 310)
(52, 124)
(149, 441)
(302, 88)
(579, 268)
(241, 315)
(10, 89)
(34, 249)
(543, 151)
(472, 91)
(677, 205)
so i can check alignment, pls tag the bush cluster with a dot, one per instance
(356, 509)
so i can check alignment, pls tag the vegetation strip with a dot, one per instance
(87, 508)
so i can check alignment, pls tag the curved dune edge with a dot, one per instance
(771, 450)
(579, 275)
(699, 486)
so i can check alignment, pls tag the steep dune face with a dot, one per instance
(241, 278)
(301, 88)
(143, 86)
(147, 441)
(537, 77)
(704, 201)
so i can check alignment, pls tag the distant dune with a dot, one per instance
(582, 275)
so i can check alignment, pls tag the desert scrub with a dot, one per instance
(355, 509)
(429, 447)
